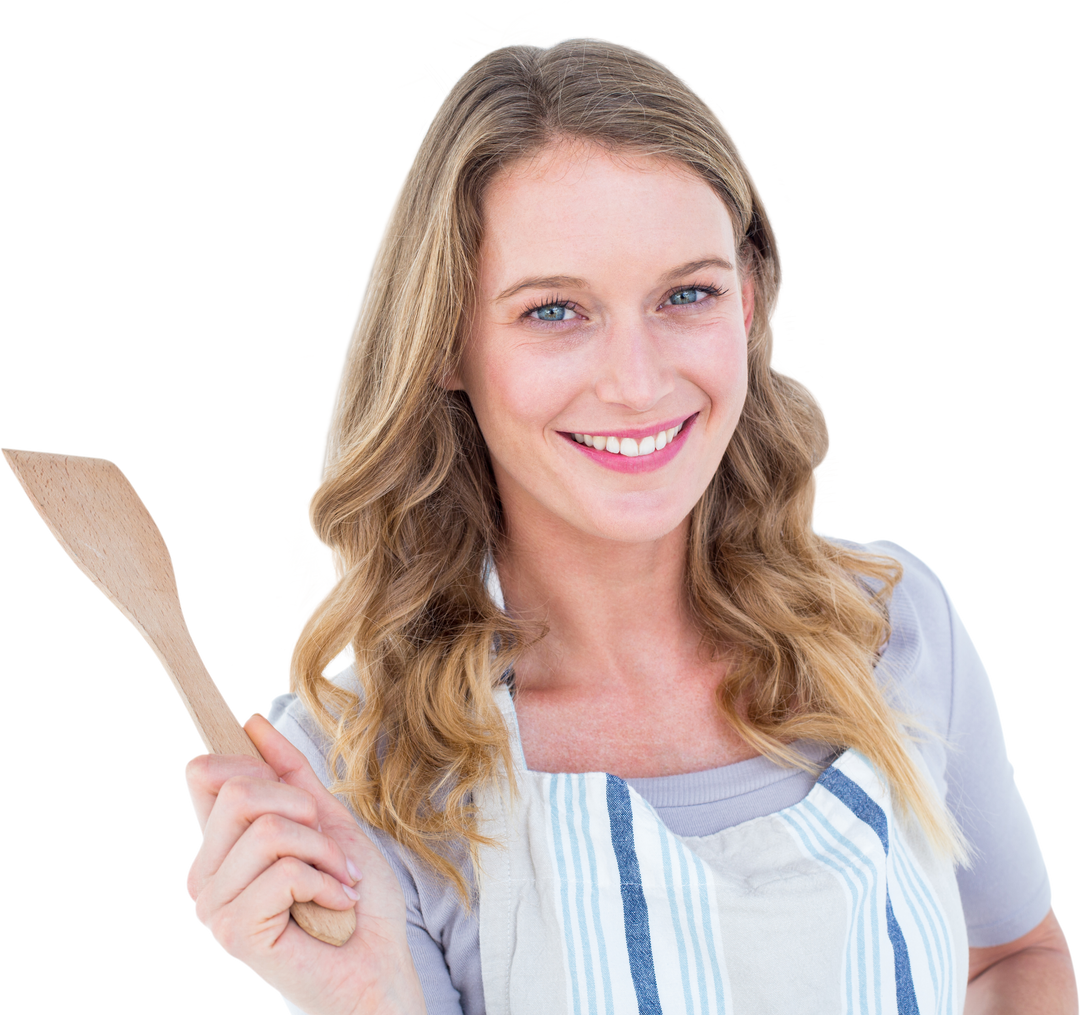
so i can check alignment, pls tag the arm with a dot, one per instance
(1034, 973)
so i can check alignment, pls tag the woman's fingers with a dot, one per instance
(291, 766)
(205, 773)
(254, 823)
(273, 865)
(208, 773)
(293, 769)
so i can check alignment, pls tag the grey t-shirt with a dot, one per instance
(929, 670)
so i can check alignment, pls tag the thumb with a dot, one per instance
(336, 820)
(288, 763)
(294, 768)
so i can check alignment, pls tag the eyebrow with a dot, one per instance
(570, 282)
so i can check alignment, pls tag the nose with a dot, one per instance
(634, 372)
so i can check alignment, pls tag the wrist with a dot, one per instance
(398, 993)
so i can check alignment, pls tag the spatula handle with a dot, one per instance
(334, 926)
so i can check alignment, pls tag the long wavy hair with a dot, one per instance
(410, 507)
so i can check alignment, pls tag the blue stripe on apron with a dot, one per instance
(942, 957)
(635, 910)
(852, 795)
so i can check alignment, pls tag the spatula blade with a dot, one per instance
(98, 518)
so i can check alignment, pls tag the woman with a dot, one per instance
(622, 733)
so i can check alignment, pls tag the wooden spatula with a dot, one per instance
(98, 518)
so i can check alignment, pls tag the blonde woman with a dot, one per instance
(623, 734)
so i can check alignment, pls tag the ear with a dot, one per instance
(451, 381)
(748, 303)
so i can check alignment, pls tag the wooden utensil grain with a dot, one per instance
(98, 518)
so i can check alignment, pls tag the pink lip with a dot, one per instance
(643, 463)
(636, 434)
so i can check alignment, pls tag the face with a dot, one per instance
(606, 361)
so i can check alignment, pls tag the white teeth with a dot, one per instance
(627, 445)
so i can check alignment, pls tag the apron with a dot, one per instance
(591, 906)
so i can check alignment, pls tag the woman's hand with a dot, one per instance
(273, 835)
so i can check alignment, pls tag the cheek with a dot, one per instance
(509, 402)
(725, 386)
(517, 395)
(723, 375)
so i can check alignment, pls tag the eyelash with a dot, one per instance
(570, 305)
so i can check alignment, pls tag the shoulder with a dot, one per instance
(918, 666)
(292, 719)
(920, 577)
(921, 617)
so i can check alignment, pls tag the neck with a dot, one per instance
(615, 611)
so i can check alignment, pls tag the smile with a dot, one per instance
(627, 445)
(636, 451)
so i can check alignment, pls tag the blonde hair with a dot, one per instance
(410, 507)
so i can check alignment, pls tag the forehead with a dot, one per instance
(575, 205)
(571, 162)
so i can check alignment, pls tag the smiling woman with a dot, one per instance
(623, 733)
(641, 331)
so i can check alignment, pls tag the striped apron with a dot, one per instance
(591, 906)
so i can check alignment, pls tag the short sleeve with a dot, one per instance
(1006, 891)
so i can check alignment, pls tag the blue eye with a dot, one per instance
(692, 292)
(553, 312)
